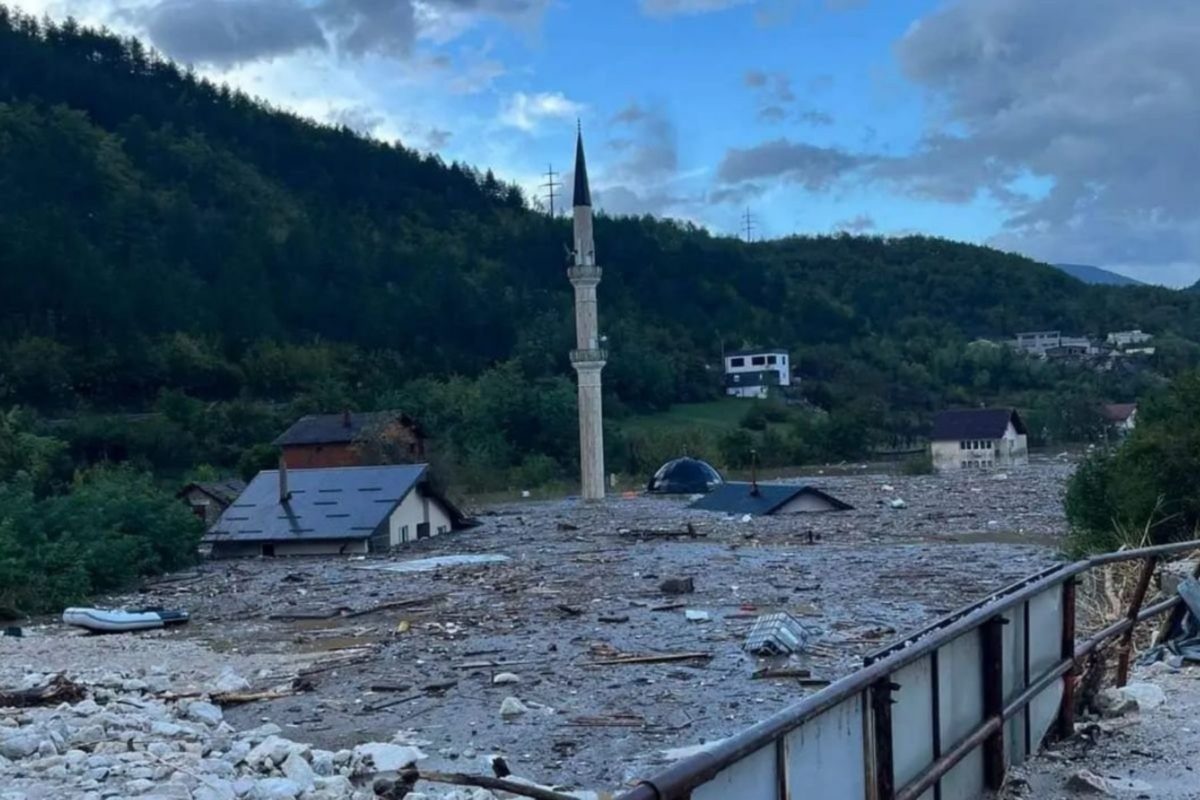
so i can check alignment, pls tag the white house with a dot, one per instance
(332, 511)
(979, 438)
(751, 373)
(1124, 339)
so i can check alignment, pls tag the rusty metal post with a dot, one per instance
(992, 635)
(881, 709)
(1125, 650)
(1066, 709)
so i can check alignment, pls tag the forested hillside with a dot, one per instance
(173, 246)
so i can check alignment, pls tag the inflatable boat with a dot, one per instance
(121, 620)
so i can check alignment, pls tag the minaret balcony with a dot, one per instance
(586, 356)
(584, 273)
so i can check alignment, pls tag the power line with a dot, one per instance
(748, 225)
(550, 185)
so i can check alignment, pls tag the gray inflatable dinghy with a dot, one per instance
(121, 620)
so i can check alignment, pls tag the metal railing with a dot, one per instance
(938, 715)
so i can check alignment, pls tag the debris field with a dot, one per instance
(577, 641)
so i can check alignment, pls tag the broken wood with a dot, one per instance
(655, 659)
(60, 689)
(669, 607)
(495, 664)
(390, 687)
(389, 703)
(415, 601)
(689, 532)
(781, 672)
(609, 721)
(412, 775)
(616, 619)
(439, 687)
(293, 616)
(570, 611)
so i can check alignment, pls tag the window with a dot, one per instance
(737, 362)
(758, 361)
(962, 445)
(404, 533)
(989, 444)
(772, 360)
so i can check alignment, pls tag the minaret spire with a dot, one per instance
(588, 357)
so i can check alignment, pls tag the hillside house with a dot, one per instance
(1121, 417)
(352, 439)
(751, 373)
(1052, 344)
(333, 511)
(979, 438)
(208, 499)
(1123, 339)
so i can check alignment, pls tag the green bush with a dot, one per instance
(920, 464)
(112, 528)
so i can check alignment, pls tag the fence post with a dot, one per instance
(881, 711)
(992, 634)
(1066, 709)
(1125, 651)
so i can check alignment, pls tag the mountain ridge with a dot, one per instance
(1097, 275)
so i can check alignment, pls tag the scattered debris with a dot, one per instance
(613, 619)
(623, 720)
(60, 689)
(689, 532)
(412, 776)
(566, 526)
(653, 659)
(694, 615)
(503, 678)
(1085, 781)
(898, 504)
(677, 586)
(437, 562)
(776, 635)
(781, 672)
(569, 611)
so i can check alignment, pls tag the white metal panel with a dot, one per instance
(1013, 636)
(752, 778)
(824, 756)
(1045, 651)
(912, 722)
(960, 711)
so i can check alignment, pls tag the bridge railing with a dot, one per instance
(939, 715)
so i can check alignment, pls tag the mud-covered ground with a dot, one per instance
(574, 592)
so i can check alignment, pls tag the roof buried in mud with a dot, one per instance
(763, 499)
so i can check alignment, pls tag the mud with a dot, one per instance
(575, 591)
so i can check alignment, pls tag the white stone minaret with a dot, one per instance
(588, 356)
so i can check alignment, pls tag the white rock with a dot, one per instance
(214, 789)
(386, 757)
(898, 503)
(271, 751)
(296, 768)
(1087, 782)
(204, 712)
(505, 678)
(695, 615)
(1148, 696)
(512, 707)
(322, 763)
(230, 681)
(86, 707)
(47, 748)
(139, 786)
(20, 745)
(275, 789)
(163, 728)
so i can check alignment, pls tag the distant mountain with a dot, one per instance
(1095, 275)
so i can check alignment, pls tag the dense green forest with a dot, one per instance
(183, 269)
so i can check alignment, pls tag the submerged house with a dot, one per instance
(979, 438)
(762, 499)
(352, 439)
(1121, 417)
(208, 499)
(333, 511)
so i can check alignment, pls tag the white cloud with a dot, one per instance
(526, 111)
(670, 8)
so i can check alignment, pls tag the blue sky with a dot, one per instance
(1063, 130)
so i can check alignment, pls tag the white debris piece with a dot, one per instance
(512, 707)
(898, 503)
(503, 678)
(695, 615)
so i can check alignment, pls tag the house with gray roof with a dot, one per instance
(763, 499)
(208, 499)
(979, 438)
(352, 439)
(333, 511)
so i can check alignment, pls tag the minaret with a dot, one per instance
(588, 357)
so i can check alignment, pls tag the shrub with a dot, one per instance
(919, 464)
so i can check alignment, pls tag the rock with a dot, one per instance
(163, 728)
(256, 735)
(20, 745)
(322, 763)
(46, 747)
(898, 504)
(214, 789)
(1087, 782)
(270, 752)
(204, 712)
(505, 678)
(133, 685)
(275, 789)
(694, 615)
(1148, 696)
(85, 708)
(296, 768)
(386, 757)
(512, 707)
(230, 681)
(139, 786)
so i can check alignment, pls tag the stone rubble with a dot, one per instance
(125, 742)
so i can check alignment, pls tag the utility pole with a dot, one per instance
(748, 225)
(550, 185)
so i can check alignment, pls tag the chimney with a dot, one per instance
(346, 419)
(284, 494)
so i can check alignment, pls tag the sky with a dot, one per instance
(1065, 130)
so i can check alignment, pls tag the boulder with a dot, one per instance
(207, 713)
(20, 745)
(1087, 782)
(230, 681)
(296, 768)
(512, 707)
(275, 789)
(381, 757)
